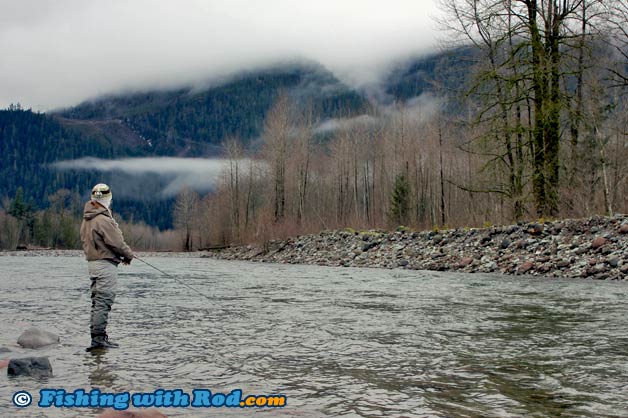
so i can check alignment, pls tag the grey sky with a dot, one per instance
(60, 52)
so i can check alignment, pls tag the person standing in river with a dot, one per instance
(104, 249)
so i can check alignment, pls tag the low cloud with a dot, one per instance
(157, 177)
(335, 124)
(416, 110)
(60, 52)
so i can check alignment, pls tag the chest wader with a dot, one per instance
(104, 276)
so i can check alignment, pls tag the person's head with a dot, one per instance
(101, 193)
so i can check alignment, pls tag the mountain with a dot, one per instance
(185, 122)
(188, 122)
(443, 74)
(29, 142)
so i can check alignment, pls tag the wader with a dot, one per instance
(104, 277)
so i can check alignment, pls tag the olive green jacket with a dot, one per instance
(101, 237)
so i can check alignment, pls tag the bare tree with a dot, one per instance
(619, 40)
(233, 150)
(277, 130)
(527, 43)
(186, 216)
(302, 157)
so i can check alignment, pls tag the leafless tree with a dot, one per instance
(276, 134)
(186, 216)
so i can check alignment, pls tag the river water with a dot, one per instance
(337, 342)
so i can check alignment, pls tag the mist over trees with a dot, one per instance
(542, 133)
(401, 171)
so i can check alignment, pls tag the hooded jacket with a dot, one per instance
(101, 237)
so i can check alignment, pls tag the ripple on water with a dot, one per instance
(336, 341)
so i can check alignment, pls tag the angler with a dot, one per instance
(104, 249)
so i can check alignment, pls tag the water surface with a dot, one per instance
(338, 342)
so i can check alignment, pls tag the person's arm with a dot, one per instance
(112, 236)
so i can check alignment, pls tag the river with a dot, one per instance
(337, 342)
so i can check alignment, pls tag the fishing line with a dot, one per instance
(174, 278)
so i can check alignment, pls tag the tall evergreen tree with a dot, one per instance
(400, 201)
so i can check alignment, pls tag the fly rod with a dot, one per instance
(174, 278)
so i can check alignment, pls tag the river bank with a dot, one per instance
(595, 248)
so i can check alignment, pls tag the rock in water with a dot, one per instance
(30, 366)
(151, 413)
(35, 338)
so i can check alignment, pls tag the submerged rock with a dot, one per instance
(35, 338)
(151, 413)
(30, 366)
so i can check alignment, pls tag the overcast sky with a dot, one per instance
(59, 52)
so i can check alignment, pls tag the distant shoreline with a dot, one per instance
(593, 248)
(51, 252)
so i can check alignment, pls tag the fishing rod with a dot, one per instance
(174, 278)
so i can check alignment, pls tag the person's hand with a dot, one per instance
(126, 261)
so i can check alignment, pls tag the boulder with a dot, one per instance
(521, 244)
(491, 266)
(598, 242)
(465, 262)
(30, 366)
(535, 229)
(35, 338)
(623, 229)
(525, 267)
(150, 413)
(563, 263)
(614, 262)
